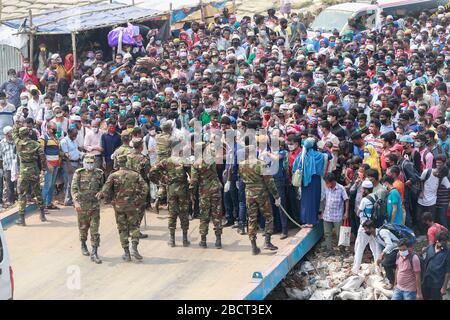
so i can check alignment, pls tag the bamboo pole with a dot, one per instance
(202, 11)
(74, 51)
(31, 35)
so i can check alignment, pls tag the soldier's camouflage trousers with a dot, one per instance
(89, 219)
(178, 203)
(258, 203)
(22, 187)
(162, 192)
(127, 220)
(211, 209)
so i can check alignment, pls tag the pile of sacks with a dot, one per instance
(330, 278)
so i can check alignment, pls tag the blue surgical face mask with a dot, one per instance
(403, 253)
(388, 61)
(332, 44)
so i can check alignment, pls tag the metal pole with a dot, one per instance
(74, 51)
(234, 7)
(170, 14)
(1, 9)
(30, 17)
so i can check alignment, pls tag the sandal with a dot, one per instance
(52, 207)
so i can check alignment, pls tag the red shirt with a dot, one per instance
(291, 158)
(433, 231)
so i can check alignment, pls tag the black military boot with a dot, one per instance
(21, 220)
(42, 215)
(203, 242)
(186, 242)
(241, 229)
(171, 241)
(255, 249)
(94, 256)
(84, 249)
(135, 252)
(218, 243)
(268, 245)
(126, 256)
(142, 235)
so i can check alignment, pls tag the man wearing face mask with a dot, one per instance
(86, 183)
(6, 113)
(50, 144)
(70, 162)
(13, 87)
(92, 143)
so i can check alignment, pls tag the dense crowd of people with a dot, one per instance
(355, 123)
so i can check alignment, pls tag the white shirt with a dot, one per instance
(429, 194)
(33, 108)
(365, 204)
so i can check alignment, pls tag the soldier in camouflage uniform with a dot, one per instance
(125, 148)
(128, 192)
(30, 155)
(86, 183)
(141, 164)
(175, 169)
(164, 142)
(258, 187)
(204, 175)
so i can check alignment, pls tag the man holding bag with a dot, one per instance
(336, 209)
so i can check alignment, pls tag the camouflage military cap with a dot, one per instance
(166, 125)
(137, 142)
(89, 158)
(121, 160)
(24, 131)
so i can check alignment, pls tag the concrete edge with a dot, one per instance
(283, 262)
(13, 216)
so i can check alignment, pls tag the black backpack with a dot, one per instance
(379, 211)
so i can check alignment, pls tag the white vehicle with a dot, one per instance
(367, 15)
(6, 273)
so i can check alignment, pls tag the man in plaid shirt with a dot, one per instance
(336, 208)
(7, 157)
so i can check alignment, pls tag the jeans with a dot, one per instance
(242, 204)
(231, 203)
(441, 216)
(49, 186)
(403, 295)
(328, 232)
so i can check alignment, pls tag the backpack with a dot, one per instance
(379, 211)
(400, 231)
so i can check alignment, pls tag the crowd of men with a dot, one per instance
(345, 122)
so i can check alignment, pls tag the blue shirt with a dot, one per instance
(13, 90)
(358, 152)
(71, 147)
(394, 198)
(281, 173)
(109, 144)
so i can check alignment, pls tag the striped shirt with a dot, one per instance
(377, 143)
(7, 153)
(51, 150)
(335, 200)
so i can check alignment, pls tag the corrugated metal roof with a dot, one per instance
(13, 9)
(85, 18)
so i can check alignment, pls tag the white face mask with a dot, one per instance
(95, 130)
(24, 102)
(89, 166)
(207, 110)
(291, 147)
(152, 132)
(366, 155)
(71, 96)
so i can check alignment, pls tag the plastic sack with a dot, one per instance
(345, 234)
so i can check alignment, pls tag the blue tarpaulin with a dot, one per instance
(86, 18)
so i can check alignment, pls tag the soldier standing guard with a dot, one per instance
(141, 164)
(175, 169)
(258, 187)
(125, 148)
(31, 156)
(128, 192)
(204, 175)
(86, 183)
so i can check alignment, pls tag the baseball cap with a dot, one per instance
(396, 147)
(407, 139)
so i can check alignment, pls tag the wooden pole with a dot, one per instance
(31, 35)
(201, 10)
(170, 13)
(234, 7)
(74, 51)
(1, 9)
